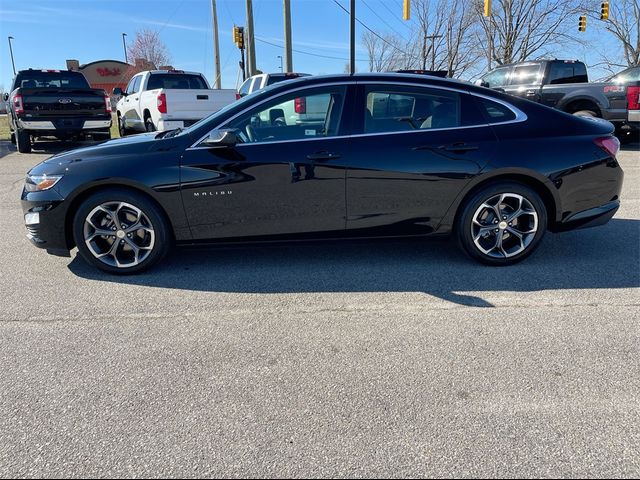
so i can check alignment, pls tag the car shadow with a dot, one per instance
(604, 257)
(630, 147)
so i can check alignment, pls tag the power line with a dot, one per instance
(383, 20)
(308, 53)
(374, 33)
(404, 24)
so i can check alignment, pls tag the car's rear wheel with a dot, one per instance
(121, 231)
(148, 125)
(502, 224)
(23, 141)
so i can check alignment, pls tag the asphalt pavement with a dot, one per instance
(390, 358)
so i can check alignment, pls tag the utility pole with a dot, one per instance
(433, 50)
(11, 50)
(216, 45)
(286, 12)
(124, 46)
(251, 44)
(352, 37)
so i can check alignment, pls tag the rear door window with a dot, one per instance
(560, 73)
(495, 112)
(405, 108)
(526, 74)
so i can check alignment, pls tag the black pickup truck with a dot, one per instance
(55, 103)
(563, 84)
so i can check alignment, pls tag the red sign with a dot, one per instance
(108, 72)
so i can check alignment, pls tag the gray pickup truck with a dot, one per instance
(562, 84)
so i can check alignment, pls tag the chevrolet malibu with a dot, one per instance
(391, 155)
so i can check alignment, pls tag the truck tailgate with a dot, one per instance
(62, 102)
(196, 104)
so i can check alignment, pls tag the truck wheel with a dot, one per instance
(121, 129)
(23, 141)
(585, 113)
(148, 124)
(13, 137)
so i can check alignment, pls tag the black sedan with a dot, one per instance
(333, 156)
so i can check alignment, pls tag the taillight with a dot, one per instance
(18, 104)
(610, 144)
(238, 96)
(300, 105)
(162, 103)
(633, 98)
(107, 103)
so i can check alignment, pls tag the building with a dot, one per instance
(109, 74)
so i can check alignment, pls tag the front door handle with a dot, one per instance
(323, 156)
(459, 147)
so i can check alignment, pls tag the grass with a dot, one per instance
(4, 128)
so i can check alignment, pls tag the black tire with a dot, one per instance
(23, 141)
(13, 137)
(162, 241)
(121, 128)
(585, 113)
(517, 248)
(148, 125)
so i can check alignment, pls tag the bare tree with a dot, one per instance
(519, 30)
(148, 46)
(385, 52)
(624, 25)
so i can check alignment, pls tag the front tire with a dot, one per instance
(23, 141)
(121, 231)
(502, 224)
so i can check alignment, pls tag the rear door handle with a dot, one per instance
(323, 156)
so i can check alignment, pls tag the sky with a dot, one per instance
(48, 32)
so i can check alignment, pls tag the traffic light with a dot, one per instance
(487, 8)
(582, 24)
(604, 10)
(406, 9)
(238, 37)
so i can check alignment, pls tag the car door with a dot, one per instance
(418, 147)
(286, 176)
(131, 103)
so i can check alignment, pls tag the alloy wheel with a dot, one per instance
(119, 234)
(504, 225)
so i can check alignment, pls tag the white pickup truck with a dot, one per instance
(167, 99)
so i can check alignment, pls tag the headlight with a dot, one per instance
(38, 183)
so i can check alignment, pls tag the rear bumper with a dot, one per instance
(58, 126)
(172, 124)
(592, 217)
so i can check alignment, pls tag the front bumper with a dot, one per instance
(45, 220)
(592, 217)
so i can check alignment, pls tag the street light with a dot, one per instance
(13, 64)
(280, 57)
(124, 45)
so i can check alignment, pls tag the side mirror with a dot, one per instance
(118, 91)
(6, 97)
(223, 138)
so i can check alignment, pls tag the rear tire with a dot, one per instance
(501, 224)
(23, 141)
(13, 137)
(121, 231)
(585, 113)
(148, 125)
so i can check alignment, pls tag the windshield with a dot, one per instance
(37, 79)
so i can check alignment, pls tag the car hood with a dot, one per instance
(112, 147)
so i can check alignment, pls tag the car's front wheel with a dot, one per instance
(502, 224)
(121, 231)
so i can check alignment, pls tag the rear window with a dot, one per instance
(279, 78)
(496, 112)
(176, 81)
(36, 79)
(573, 72)
(627, 76)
